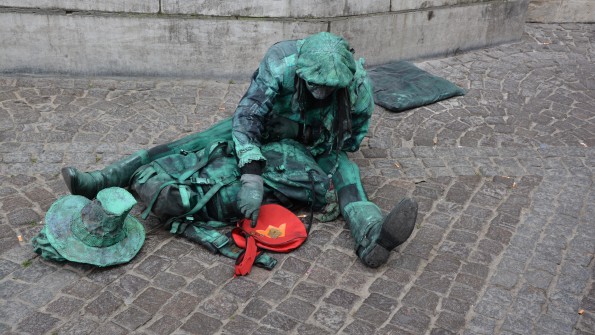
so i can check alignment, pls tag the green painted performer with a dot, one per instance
(308, 104)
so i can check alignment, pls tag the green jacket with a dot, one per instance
(273, 92)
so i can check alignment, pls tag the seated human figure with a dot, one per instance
(308, 104)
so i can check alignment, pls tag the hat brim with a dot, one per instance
(67, 210)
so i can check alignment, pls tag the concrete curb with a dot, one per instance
(94, 41)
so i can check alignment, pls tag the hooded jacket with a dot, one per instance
(323, 59)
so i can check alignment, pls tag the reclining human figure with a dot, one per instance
(308, 98)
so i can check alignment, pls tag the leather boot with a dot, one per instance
(117, 174)
(375, 236)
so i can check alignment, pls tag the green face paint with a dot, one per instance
(320, 92)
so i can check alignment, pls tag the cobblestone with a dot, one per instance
(165, 325)
(503, 176)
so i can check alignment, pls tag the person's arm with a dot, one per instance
(362, 102)
(247, 129)
(248, 119)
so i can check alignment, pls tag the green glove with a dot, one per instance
(250, 196)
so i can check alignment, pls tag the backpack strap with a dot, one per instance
(176, 221)
(207, 196)
(216, 242)
(208, 155)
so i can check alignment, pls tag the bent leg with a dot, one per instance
(374, 235)
(118, 173)
(291, 173)
(345, 176)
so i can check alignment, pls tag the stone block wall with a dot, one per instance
(227, 38)
(559, 11)
(114, 6)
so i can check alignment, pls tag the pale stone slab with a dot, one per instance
(436, 32)
(276, 8)
(557, 11)
(132, 45)
(400, 5)
(337, 8)
(231, 47)
(127, 6)
(255, 8)
(577, 11)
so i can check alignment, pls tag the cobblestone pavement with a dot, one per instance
(504, 177)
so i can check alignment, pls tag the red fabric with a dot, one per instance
(277, 229)
(246, 260)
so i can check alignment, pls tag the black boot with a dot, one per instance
(376, 237)
(117, 174)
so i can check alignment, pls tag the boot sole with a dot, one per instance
(396, 229)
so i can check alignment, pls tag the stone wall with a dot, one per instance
(226, 38)
(558, 11)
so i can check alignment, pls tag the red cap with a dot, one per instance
(277, 229)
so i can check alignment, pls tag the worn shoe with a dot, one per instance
(81, 183)
(396, 229)
(117, 174)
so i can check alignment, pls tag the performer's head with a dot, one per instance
(325, 63)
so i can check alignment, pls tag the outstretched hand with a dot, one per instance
(250, 196)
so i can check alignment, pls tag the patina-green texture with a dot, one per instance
(325, 59)
(195, 192)
(298, 164)
(399, 86)
(174, 185)
(98, 232)
(273, 92)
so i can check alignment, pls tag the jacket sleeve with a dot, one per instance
(248, 119)
(362, 106)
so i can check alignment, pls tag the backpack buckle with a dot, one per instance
(200, 180)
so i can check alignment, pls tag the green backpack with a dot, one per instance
(189, 189)
(181, 185)
(194, 193)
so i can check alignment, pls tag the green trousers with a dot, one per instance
(286, 161)
(285, 180)
(174, 184)
(363, 217)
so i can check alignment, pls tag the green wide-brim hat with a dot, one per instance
(65, 216)
(325, 59)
